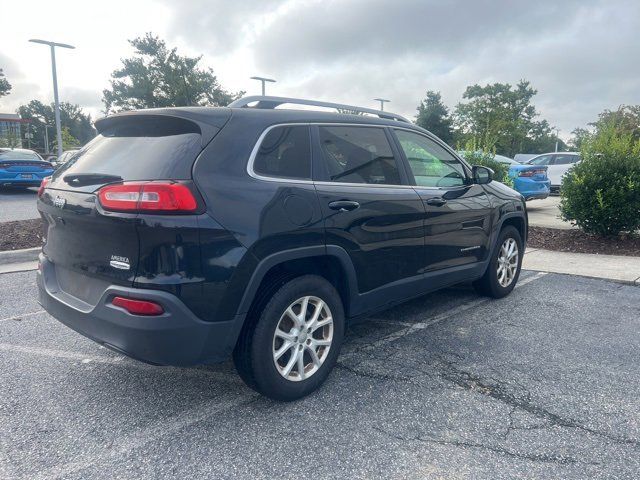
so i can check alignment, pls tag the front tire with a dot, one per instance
(504, 267)
(287, 350)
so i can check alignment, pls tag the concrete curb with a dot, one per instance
(19, 256)
(616, 268)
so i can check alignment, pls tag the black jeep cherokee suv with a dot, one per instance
(181, 236)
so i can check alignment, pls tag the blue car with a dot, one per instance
(21, 167)
(531, 181)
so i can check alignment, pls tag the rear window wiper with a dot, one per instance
(83, 179)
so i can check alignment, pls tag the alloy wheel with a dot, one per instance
(507, 262)
(302, 339)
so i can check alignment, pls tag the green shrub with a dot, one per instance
(602, 193)
(485, 157)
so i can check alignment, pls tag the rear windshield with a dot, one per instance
(17, 155)
(140, 148)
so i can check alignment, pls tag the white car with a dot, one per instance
(558, 164)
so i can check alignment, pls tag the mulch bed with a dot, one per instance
(577, 241)
(21, 234)
(28, 233)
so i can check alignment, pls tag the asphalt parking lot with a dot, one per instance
(18, 204)
(541, 384)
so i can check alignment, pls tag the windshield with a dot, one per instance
(19, 155)
(541, 160)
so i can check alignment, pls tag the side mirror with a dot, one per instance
(481, 175)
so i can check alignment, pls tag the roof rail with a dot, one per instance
(268, 102)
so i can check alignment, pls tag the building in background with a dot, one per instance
(11, 130)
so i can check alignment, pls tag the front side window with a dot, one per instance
(431, 165)
(285, 152)
(358, 155)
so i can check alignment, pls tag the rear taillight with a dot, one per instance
(530, 173)
(43, 184)
(168, 197)
(138, 307)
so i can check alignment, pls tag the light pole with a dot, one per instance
(557, 138)
(53, 46)
(263, 80)
(381, 100)
(46, 139)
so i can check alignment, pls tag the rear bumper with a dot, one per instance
(12, 178)
(532, 189)
(177, 337)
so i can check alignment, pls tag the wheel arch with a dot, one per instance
(331, 262)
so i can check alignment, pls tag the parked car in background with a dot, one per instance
(557, 163)
(505, 160)
(530, 181)
(22, 167)
(64, 158)
(524, 157)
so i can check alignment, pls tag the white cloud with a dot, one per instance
(580, 55)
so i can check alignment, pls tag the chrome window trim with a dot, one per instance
(256, 148)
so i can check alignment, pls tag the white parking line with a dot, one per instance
(119, 360)
(18, 317)
(123, 445)
(432, 321)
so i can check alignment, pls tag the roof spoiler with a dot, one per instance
(208, 124)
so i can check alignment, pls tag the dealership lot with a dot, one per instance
(543, 383)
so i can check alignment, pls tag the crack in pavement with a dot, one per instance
(499, 391)
(535, 457)
(375, 376)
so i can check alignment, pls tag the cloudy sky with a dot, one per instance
(582, 56)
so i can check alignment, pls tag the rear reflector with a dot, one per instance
(161, 196)
(138, 307)
(43, 184)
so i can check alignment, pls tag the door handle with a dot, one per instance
(343, 205)
(436, 201)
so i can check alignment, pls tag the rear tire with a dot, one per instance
(288, 348)
(504, 267)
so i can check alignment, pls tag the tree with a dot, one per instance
(72, 118)
(502, 117)
(579, 136)
(626, 119)
(433, 115)
(68, 140)
(5, 86)
(157, 76)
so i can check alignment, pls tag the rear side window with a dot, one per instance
(565, 159)
(285, 152)
(358, 155)
(140, 148)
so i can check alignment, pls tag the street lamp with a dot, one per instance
(53, 46)
(381, 100)
(557, 138)
(263, 80)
